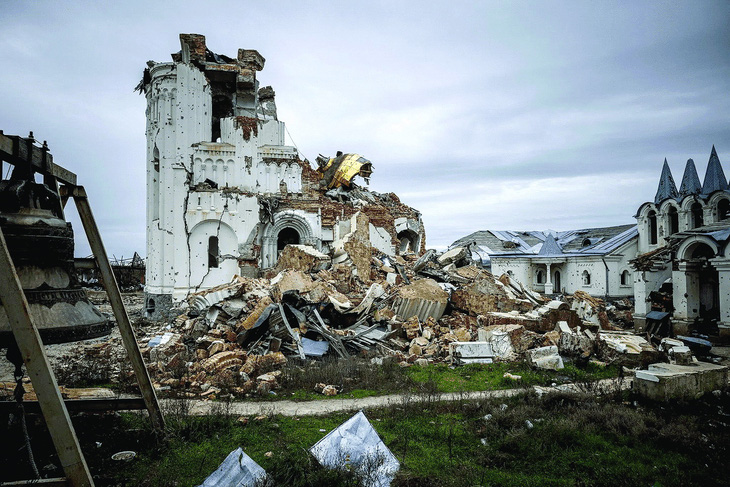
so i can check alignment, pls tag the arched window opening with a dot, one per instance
(723, 209)
(673, 220)
(556, 282)
(540, 277)
(697, 218)
(652, 228)
(625, 278)
(287, 236)
(586, 242)
(703, 251)
(213, 252)
(586, 278)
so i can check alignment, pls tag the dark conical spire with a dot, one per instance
(690, 181)
(714, 177)
(550, 246)
(667, 189)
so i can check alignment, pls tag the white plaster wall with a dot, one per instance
(203, 276)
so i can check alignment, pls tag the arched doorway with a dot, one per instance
(556, 282)
(287, 236)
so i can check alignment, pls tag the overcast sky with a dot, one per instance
(482, 115)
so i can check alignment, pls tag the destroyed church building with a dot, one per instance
(225, 194)
(684, 252)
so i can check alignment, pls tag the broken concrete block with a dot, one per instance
(455, 255)
(545, 358)
(423, 298)
(303, 258)
(661, 381)
(471, 353)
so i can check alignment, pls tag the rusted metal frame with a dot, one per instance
(115, 298)
(81, 405)
(12, 150)
(40, 373)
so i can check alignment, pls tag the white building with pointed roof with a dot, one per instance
(683, 240)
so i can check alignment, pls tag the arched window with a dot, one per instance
(586, 242)
(652, 228)
(212, 252)
(586, 278)
(723, 209)
(697, 218)
(540, 277)
(625, 278)
(673, 216)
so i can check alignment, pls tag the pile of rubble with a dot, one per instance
(357, 302)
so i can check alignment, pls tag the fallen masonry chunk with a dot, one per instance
(545, 358)
(672, 381)
(471, 353)
(423, 298)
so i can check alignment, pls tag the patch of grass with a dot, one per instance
(481, 377)
(357, 377)
(560, 439)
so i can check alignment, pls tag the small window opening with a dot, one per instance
(586, 242)
(150, 306)
(586, 278)
(540, 277)
(697, 217)
(652, 228)
(212, 252)
(625, 278)
(222, 108)
(673, 220)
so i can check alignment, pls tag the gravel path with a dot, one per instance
(327, 406)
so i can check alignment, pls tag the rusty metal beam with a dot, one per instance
(40, 373)
(17, 150)
(115, 298)
(80, 405)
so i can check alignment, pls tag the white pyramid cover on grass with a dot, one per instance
(237, 470)
(355, 444)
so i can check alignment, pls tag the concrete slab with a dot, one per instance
(661, 381)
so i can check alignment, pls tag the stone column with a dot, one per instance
(686, 295)
(723, 269)
(548, 281)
